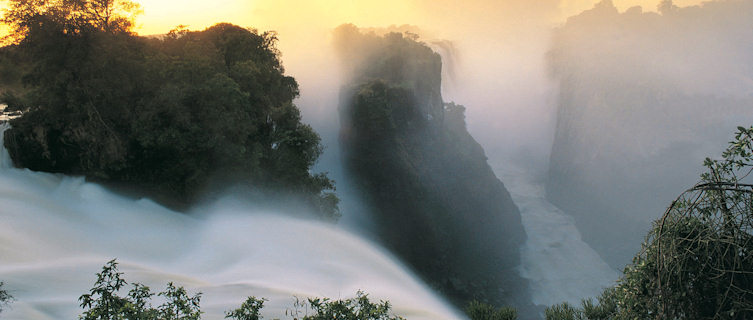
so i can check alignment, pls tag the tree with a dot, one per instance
(102, 301)
(666, 7)
(249, 310)
(358, 308)
(481, 311)
(5, 297)
(696, 261)
(169, 118)
(179, 305)
(30, 18)
(105, 15)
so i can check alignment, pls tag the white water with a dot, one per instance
(558, 264)
(58, 231)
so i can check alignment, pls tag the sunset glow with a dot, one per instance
(161, 16)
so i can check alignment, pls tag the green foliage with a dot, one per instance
(5, 297)
(169, 117)
(179, 305)
(696, 261)
(103, 302)
(358, 308)
(249, 310)
(139, 305)
(481, 311)
(736, 163)
(603, 308)
(563, 311)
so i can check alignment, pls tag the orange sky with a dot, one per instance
(159, 16)
(162, 15)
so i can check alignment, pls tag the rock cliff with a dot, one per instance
(435, 201)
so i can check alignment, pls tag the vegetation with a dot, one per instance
(481, 311)
(171, 115)
(696, 262)
(357, 308)
(5, 297)
(249, 310)
(103, 302)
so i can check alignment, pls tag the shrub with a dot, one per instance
(358, 308)
(696, 261)
(103, 301)
(5, 297)
(249, 310)
(481, 311)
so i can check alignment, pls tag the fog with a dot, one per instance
(519, 66)
(58, 231)
(643, 99)
(605, 111)
(496, 68)
(630, 100)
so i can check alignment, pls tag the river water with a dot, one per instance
(558, 264)
(58, 231)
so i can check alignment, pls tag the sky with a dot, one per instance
(160, 16)
(500, 48)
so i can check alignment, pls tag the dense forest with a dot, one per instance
(172, 116)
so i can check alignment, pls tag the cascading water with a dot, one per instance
(558, 264)
(58, 231)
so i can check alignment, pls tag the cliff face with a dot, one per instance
(435, 200)
(644, 98)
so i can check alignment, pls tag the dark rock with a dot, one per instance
(436, 202)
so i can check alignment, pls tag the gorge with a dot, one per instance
(327, 158)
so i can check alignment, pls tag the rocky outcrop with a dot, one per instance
(435, 201)
(644, 98)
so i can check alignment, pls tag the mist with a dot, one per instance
(595, 116)
(643, 98)
(57, 232)
(667, 90)
(496, 68)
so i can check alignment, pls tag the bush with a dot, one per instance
(563, 311)
(481, 311)
(249, 310)
(5, 297)
(696, 261)
(103, 301)
(358, 308)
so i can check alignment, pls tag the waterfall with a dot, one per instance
(57, 232)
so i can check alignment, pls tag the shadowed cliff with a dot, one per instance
(435, 200)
